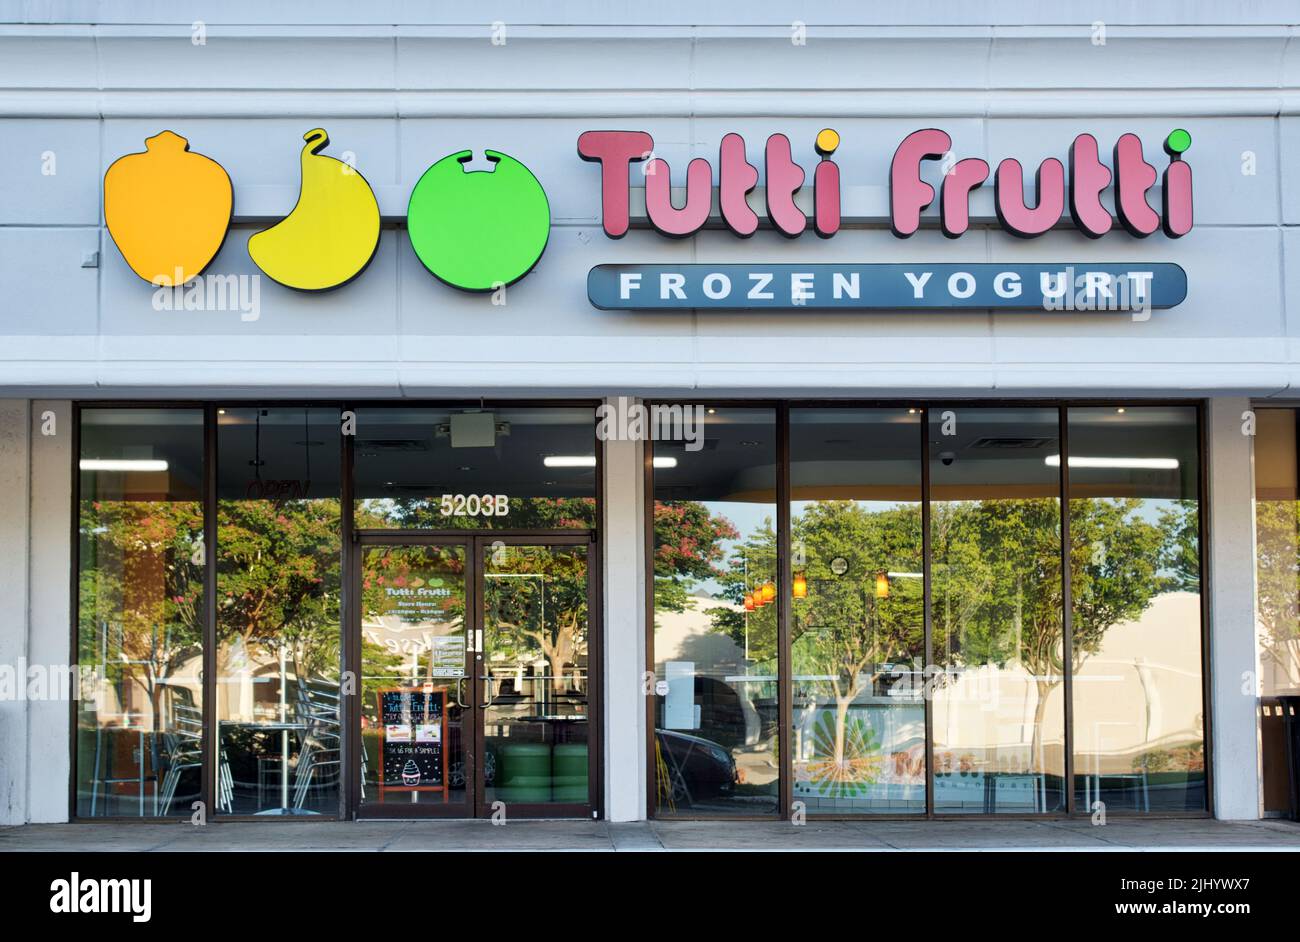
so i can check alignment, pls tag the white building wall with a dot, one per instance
(1004, 79)
(15, 478)
(35, 608)
(1234, 722)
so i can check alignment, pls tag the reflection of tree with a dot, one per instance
(998, 589)
(140, 595)
(278, 581)
(842, 628)
(1277, 525)
(750, 564)
(388, 573)
(530, 513)
(997, 586)
(538, 597)
(688, 546)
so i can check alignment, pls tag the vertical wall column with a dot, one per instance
(49, 612)
(1231, 589)
(15, 481)
(35, 609)
(622, 539)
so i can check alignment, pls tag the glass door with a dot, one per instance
(417, 733)
(535, 678)
(476, 684)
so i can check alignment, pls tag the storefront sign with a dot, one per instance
(909, 194)
(1074, 286)
(168, 211)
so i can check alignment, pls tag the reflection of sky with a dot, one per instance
(747, 518)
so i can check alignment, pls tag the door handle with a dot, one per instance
(460, 701)
(487, 686)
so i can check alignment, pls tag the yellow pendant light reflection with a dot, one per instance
(769, 592)
(800, 586)
(882, 584)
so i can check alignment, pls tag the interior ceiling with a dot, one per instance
(868, 454)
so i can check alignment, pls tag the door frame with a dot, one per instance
(473, 541)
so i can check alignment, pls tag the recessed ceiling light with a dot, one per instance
(1085, 461)
(123, 464)
(569, 461)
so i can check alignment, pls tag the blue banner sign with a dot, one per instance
(1070, 286)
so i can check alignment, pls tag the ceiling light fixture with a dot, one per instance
(1144, 464)
(122, 464)
(569, 461)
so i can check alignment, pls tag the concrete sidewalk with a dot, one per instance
(655, 836)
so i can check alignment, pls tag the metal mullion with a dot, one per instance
(1067, 608)
(475, 602)
(1203, 559)
(74, 584)
(350, 626)
(651, 698)
(928, 619)
(211, 740)
(784, 598)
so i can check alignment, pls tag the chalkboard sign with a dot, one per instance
(413, 739)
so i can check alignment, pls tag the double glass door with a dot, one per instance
(476, 677)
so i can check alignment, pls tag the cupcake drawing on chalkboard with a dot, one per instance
(410, 773)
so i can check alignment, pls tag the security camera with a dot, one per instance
(947, 457)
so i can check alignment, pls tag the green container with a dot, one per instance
(570, 762)
(524, 772)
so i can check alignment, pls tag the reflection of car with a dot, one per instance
(729, 716)
(698, 769)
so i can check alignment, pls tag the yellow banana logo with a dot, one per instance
(332, 233)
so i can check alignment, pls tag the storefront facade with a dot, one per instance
(692, 419)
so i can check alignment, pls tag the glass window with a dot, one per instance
(715, 625)
(140, 612)
(857, 631)
(1277, 611)
(279, 543)
(463, 468)
(998, 702)
(1277, 536)
(1135, 581)
(536, 677)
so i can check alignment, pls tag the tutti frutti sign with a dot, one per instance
(168, 210)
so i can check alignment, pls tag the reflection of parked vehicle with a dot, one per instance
(696, 769)
(722, 712)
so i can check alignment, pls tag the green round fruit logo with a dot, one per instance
(478, 230)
